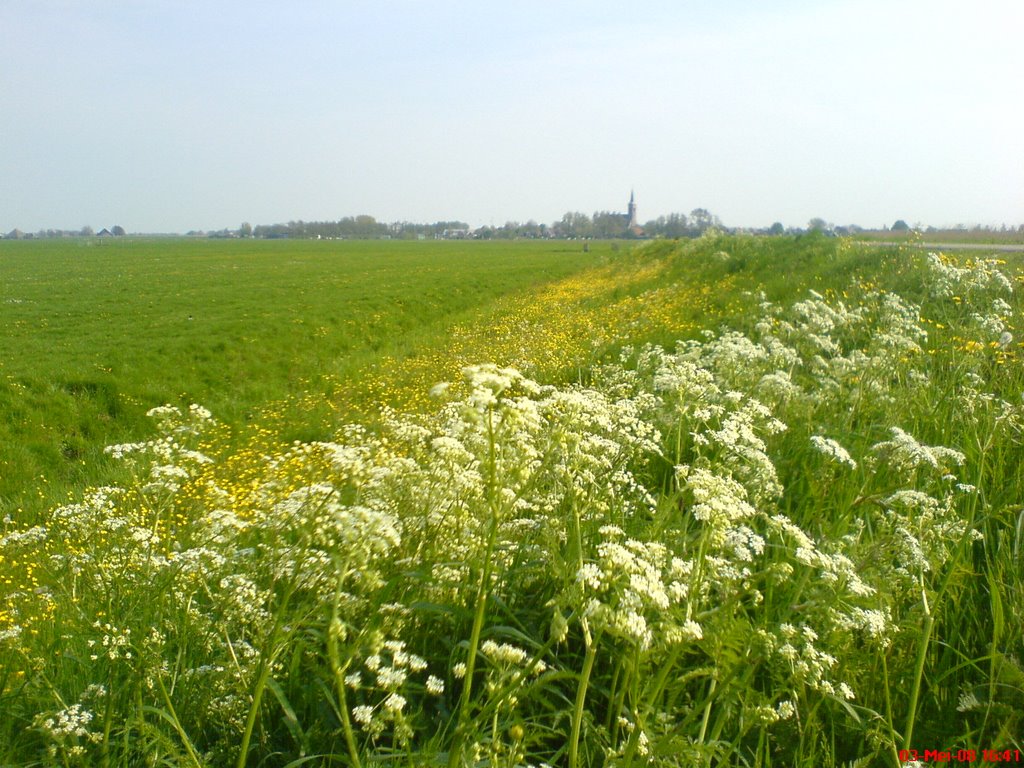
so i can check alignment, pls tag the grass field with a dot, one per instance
(794, 538)
(93, 333)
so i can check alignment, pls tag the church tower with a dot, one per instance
(631, 212)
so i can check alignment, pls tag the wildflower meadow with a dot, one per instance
(760, 503)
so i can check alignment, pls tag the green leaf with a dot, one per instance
(291, 721)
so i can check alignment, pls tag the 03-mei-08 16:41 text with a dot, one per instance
(961, 756)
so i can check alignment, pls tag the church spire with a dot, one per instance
(631, 212)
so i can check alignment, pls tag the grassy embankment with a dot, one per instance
(795, 540)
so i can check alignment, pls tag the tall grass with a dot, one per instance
(792, 540)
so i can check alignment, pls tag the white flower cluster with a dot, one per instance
(503, 653)
(506, 672)
(115, 643)
(906, 456)
(515, 455)
(992, 325)
(818, 350)
(631, 589)
(810, 665)
(390, 667)
(873, 623)
(314, 529)
(833, 450)
(922, 531)
(947, 280)
(167, 462)
(72, 721)
(70, 730)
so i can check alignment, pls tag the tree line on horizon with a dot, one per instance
(577, 225)
(16, 234)
(604, 225)
(573, 225)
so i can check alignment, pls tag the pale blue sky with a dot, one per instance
(167, 115)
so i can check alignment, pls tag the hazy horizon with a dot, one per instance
(161, 116)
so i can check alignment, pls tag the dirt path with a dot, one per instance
(991, 247)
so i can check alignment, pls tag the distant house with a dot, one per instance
(14, 234)
(104, 233)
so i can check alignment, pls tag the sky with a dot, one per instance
(177, 115)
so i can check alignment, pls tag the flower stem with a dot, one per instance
(915, 691)
(339, 671)
(581, 695)
(482, 594)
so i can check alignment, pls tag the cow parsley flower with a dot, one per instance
(833, 451)
(435, 685)
(363, 714)
(394, 703)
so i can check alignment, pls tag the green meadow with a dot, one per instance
(735, 501)
(93, 333)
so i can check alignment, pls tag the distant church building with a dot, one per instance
(633, 227)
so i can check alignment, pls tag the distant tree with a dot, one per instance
(574, 224)
(271, 231)
(530, 229)
(245, 230)
(508, 231)
(674, 225)
(609, 224)
(900, 226)
(366, 227)
(776, 228)
(818, 225)
(701, 220)
(86, 231)
(117, 230)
